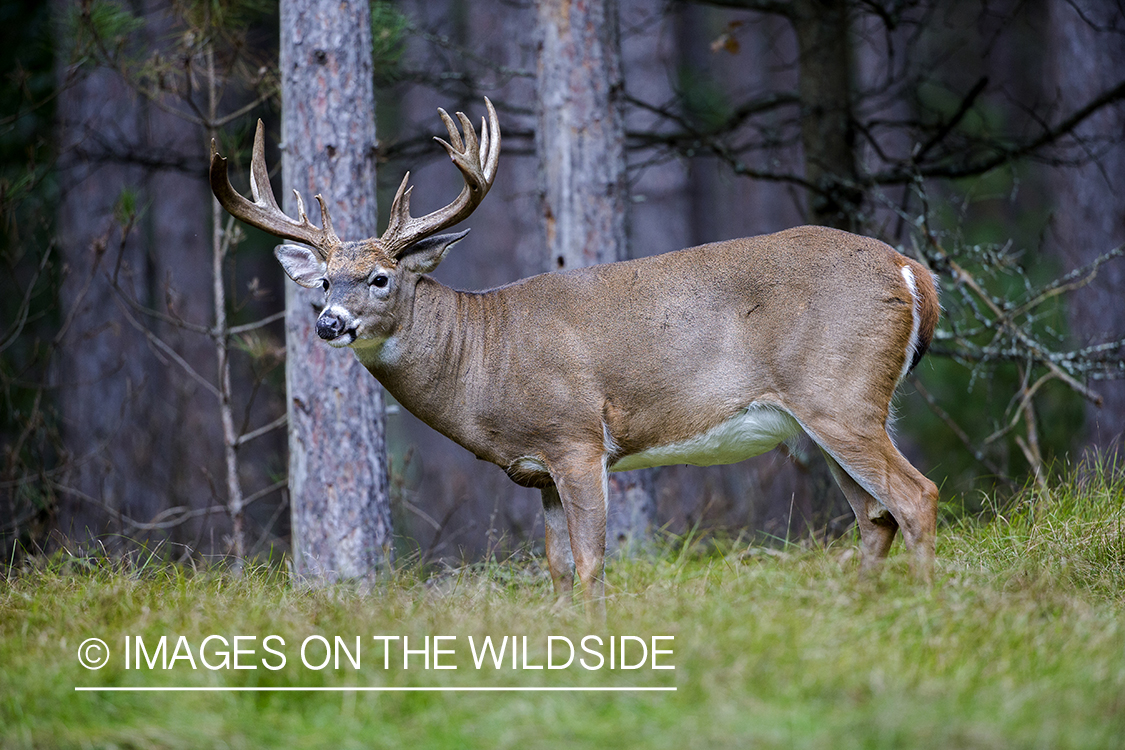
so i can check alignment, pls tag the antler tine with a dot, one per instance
(493, 155)
(400, 208)
(472, 145)
(476, 159)
(301, 215)
(454, 136)
(263, 212)
(259, 176)
(483, 140)
(325, 219)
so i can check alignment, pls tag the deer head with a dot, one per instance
(365, 281)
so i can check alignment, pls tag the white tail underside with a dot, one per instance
(916, 313)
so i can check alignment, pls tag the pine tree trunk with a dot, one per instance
(337, 459)
(115, 422)
(581, 146)
(141, 434)
(827, 127)
(1090, 210)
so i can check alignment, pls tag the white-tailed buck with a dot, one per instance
(703, 356)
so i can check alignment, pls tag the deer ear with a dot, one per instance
(425, 255)
(301, 264)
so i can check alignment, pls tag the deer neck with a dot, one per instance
(434, 361)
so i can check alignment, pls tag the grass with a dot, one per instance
(1019, 643)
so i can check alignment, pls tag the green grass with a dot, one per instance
(1020, 642)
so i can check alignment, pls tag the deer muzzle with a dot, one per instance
(334, 323)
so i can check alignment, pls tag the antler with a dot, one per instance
(264, 212)
(477, 161)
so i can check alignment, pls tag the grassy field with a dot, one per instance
(1020, 642)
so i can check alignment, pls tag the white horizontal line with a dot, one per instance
(340, 689)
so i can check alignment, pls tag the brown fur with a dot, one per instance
(558, 376)
(534, 376)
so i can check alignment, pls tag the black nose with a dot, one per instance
(329, 326)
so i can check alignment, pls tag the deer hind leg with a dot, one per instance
(875, 465)
(877, 526)
(581, 485)
(560, 561)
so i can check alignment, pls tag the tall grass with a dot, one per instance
(1071, 535)
(1019, 643)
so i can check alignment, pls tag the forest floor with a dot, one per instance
(1020, 642)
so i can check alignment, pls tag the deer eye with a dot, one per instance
(379, 280)
(324, 284)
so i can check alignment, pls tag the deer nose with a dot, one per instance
(329, 326)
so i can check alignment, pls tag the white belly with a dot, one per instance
(753, 431)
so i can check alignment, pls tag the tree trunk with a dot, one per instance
(141, 433)
(337, 461)
(581, 147)
(115, 423)
(1090, 210)
(827, 127)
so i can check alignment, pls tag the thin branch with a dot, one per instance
(278, 485)
(265, 429)
(247, 327)
(1021, 335)
(169, 351)
(1072, 281)
(1001, 154)
(960, 434)
(268, 527)
(25, 304)
(150, 312)
(947, 127)
(183, 512)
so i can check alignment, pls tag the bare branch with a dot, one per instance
(167, 350)
(265, 429)
(248, 327)
(960, 433)
(156, 314)
(25, 304)
(1001, 154)
(1072, 281)
(947, 127)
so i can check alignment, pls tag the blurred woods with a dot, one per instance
(141, 334)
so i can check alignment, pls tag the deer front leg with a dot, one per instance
(560, 561)
(581, 485)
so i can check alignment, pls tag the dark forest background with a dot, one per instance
(985, 138)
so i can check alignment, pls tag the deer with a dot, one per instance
(707, 355)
